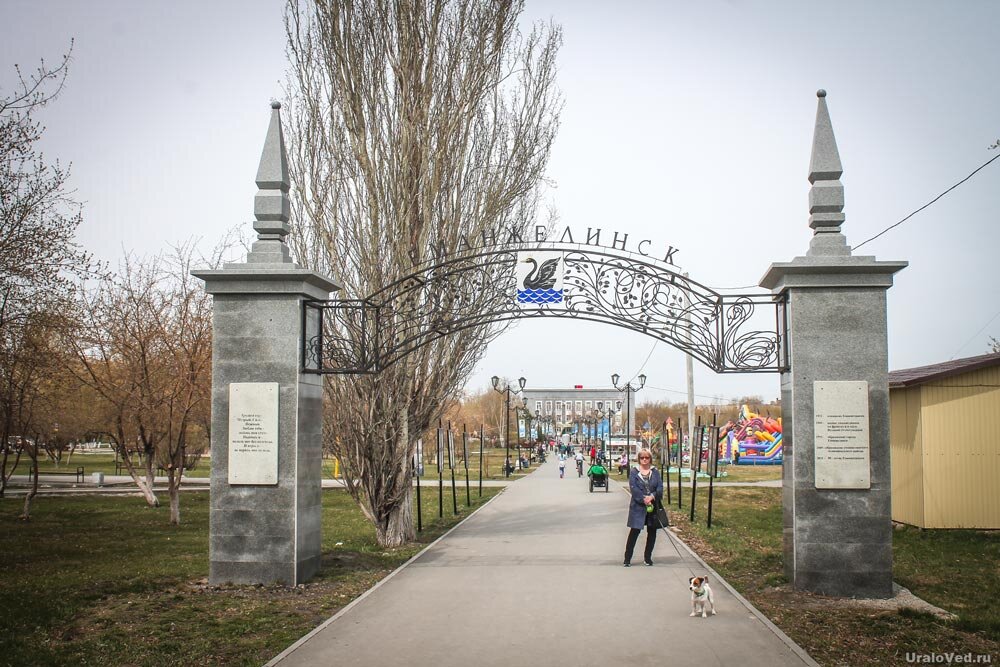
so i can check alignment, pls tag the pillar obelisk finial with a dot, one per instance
(826, 197)
(271, 208)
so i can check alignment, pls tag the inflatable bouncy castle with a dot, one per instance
(753, 440)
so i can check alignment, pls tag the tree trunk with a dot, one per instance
(3, 468)
(145, 485)
(174, 488)
(30, 495)
(396, 529)
(5, 446)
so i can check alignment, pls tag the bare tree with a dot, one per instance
(186, 332)
(118, 356)
(39, 258)
(482, 408)
(38, 216)
(33, 393)
(414, 126)
(145, 350)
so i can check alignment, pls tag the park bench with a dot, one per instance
(78, 473)
(121, 469)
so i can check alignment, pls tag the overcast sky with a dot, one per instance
(687, 123)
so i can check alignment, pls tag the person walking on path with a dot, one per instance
(646, 487)
(562, 465)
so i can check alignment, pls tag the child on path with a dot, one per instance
(562, 465)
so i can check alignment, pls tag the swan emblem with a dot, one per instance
(541, 277)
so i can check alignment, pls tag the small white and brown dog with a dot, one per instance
(701, 595)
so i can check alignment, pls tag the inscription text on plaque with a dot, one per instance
(842, 448)
(253, 433)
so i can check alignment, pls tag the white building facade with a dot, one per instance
(570, 408)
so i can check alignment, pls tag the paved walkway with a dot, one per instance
(535, 578)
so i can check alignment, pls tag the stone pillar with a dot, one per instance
(837, 541)
(265, 511)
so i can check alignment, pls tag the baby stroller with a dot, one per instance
(598, 477)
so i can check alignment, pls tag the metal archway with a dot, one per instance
(744, 333)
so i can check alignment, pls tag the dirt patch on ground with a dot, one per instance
(903, 599)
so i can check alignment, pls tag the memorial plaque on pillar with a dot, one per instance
(253, 433)
(842, 448)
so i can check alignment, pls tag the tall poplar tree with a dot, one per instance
(413, 126)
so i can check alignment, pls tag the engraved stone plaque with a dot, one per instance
(253, 433)
(842, 448)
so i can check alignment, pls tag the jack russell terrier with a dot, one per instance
(701, 595)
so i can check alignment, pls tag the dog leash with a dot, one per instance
(671, 537)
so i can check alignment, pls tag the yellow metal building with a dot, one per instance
(945, 438)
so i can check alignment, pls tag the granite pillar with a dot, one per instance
(262, 533)
(836, 541)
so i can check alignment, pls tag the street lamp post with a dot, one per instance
(600, 413)
(629, 390)
(506, 415)
(521, 412)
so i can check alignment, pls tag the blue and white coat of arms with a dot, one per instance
(539, 278)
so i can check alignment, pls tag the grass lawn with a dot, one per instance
(105, 462)
(100, 580)
(492, 466)
(96, 462)
(744, 545)
(748, 473)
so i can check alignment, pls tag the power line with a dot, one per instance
(927, 204)
(997, 314)
(636, 374)
(675, 391)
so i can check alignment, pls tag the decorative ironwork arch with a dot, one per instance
(728, 333)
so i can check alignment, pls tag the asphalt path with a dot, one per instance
(535, 577)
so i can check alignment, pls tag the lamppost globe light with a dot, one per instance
(507, 390)
(642, 381)
(614, 379)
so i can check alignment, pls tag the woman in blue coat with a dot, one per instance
(646, 485)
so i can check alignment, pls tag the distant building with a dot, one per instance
(945, 440)
(568, 407)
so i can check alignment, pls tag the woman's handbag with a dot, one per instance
(661, 515)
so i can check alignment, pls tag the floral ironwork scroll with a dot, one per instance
(728, 333)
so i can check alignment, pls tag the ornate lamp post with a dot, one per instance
(600, 413)
(522, 412)
(629, 390)
(506, 415)
(591, 429)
